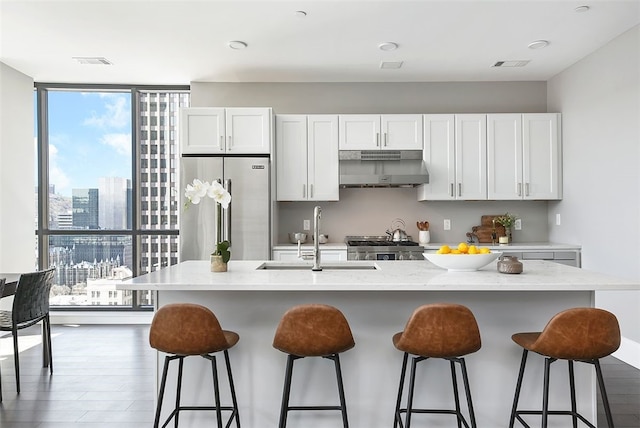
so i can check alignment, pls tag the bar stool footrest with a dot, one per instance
(552, 413)
(175, 411)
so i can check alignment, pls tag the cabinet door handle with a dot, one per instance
(229, 143)
(311, 190)
(519, 189)
(304, 190)
(459, 189)
(451, 190)
(526, 189)
(221, 143)
(385, 139)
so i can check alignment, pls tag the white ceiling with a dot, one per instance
(176, 42)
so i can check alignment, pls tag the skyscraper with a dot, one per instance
(115, 203)
(85, 208)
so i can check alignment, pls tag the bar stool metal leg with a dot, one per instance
(163, 383)
(467, 389)
(412, 379)
(216, 388)
(343, 405)
(284, 409)
(456, 396)
(603, 393)
(178, 391)
(397, 419)
(234, 401)
(516, 396)
(572, 389)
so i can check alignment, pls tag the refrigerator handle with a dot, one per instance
(227, 214)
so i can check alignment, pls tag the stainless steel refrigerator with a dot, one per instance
(246, 223)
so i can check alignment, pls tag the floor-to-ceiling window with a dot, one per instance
(107, 158)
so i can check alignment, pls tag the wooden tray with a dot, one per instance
(483, 232)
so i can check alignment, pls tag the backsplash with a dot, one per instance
(370, 212)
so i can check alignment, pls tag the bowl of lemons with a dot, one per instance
(463, 258)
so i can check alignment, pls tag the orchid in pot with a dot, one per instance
(194, 193)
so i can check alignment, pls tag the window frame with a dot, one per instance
(136, 232)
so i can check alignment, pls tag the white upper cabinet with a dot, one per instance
(381, 132)
(210, 130)
(524, 156)
(454, 153)
(202, 130)
(307, 158)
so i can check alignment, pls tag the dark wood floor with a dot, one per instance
(103, 378)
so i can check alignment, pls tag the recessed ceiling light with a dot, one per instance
(391, 64)
(538, 44)
(92, 60)
(581, 9)
(388, 46)
(237, 44)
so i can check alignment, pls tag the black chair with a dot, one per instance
(30, 306)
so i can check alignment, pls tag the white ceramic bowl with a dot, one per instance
(462, 262)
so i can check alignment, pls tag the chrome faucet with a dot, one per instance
(315, 254)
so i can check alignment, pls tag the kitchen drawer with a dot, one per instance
(565, 255)
(517, 254)
(537, 255)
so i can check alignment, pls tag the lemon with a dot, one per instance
(484, 250)
(444, 250)
(472, 249)
(463, 248)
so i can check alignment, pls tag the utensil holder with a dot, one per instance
(424, 237)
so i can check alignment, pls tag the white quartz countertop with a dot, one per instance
(389, 276)
(517, 246)
(327, 246)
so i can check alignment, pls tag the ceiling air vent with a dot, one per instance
(391, 64)
(92, 60)
(520, 63)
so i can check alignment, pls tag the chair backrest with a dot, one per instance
(579, 333)
(441, 330)
(31, 301)
(313, 330)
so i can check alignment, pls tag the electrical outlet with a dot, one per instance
(558, 220)
(306, 225)
(518, 224)
(447, 224)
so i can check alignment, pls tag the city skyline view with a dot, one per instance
(89, 138)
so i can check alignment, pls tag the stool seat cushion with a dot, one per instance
(313, 330)
(575, 334)
(440, 330)
(189, 329)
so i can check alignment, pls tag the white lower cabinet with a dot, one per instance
(325, 255)
(567, 257)
(307, 158)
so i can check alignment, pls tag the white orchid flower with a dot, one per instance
(219, 194)
(196, 191)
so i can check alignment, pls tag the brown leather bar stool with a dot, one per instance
(441, 330)
(578, 334)
(313, 330)
(186, 329)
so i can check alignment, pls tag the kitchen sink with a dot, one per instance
(355, 265)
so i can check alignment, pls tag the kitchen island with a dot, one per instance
(378, 299)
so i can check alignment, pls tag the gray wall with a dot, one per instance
(370, 211)
(599, 98)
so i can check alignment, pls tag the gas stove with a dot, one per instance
(381, 248)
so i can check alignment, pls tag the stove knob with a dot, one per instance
(369, 256)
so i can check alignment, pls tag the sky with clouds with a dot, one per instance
(89, 138)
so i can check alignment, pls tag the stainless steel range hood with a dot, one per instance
(382, 168)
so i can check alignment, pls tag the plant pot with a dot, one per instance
(217, 265)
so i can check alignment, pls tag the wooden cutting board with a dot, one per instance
(483, 232)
